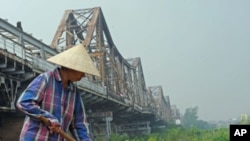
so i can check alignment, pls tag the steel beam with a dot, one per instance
(26, 37)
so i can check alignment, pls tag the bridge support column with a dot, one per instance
(108, 126)
(135, 128)
(8, 90)
(100, 124)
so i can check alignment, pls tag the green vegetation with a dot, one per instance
(190, 119)
(192, 129)
(244, 119)
(179, 134)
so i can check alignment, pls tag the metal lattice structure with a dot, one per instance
(88, 27)
(118, 102)
(161, 103)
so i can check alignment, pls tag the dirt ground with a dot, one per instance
(10, 127)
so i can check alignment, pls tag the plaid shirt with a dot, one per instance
(45, 96)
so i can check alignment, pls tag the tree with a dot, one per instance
(190, 117)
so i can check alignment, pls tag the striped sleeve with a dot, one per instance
(29, 100)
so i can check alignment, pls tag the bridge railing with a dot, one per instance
(15, 48)
(87, 85)
(41, 65)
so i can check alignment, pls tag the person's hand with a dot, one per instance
(54, 128)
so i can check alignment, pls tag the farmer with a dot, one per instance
(54, 96)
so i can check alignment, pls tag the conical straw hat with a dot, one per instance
(75, 58)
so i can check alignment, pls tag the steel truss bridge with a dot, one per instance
(118, 102)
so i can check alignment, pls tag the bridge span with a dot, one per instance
(118, 102)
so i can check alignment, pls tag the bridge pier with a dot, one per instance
(9, 91)
(108, 126)
(135, 128)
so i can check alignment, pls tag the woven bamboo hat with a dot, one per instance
(75, 58)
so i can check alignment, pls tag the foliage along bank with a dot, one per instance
(179, 134)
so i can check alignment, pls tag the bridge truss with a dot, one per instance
(119, 97)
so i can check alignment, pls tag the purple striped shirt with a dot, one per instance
(45, 96)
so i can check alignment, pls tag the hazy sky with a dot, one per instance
(198, 50)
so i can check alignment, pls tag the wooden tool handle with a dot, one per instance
(66, 136)
(61, 132)
(44, 120)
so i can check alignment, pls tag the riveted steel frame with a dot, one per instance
(88, 27)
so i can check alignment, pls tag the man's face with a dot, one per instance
(75, 75)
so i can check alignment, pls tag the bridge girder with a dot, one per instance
(123, 77)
